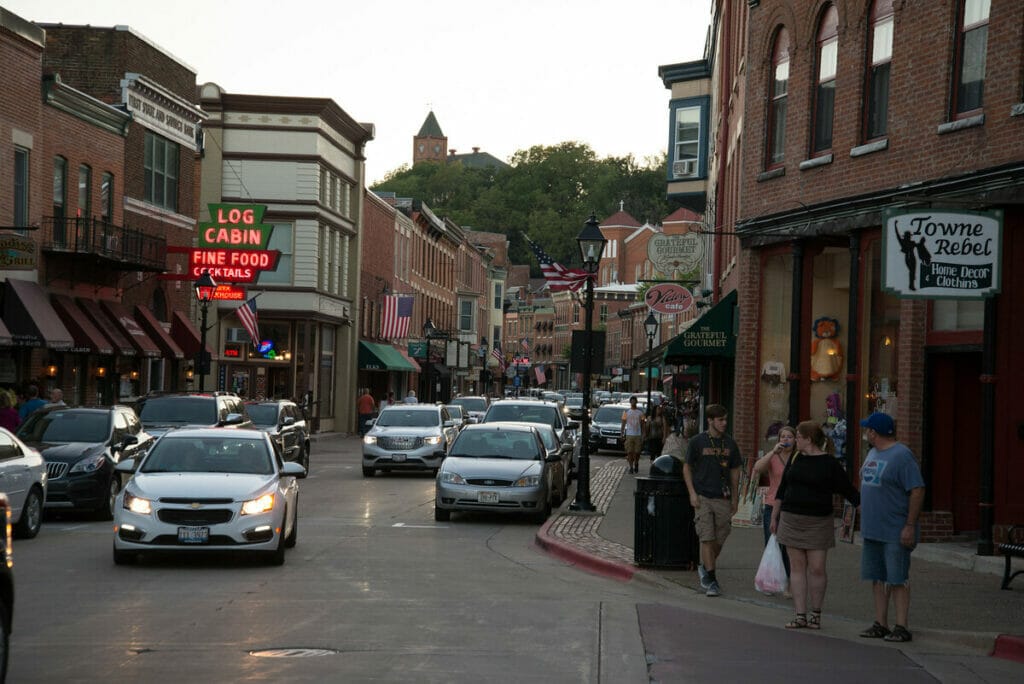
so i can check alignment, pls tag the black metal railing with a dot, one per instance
(94, 236)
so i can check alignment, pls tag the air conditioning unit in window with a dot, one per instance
(238, 336)
(686, 167)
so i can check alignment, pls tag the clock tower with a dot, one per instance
(430, 144)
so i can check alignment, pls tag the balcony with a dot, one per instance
(112, 247)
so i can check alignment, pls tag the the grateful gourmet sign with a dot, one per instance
(671, 253)
(942, 254)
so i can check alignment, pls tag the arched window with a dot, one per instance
(825, 90)
(777, 108)
(876, 103)
(973, 44)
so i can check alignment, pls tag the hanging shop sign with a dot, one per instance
(17, 253)
(942, 254)
(668, 298)
(671, 253)
(235, 226)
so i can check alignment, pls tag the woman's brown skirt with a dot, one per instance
(808, 532)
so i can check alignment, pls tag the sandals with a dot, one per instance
(814, 622)
(875, 631)
(799, 622)
(899, 633)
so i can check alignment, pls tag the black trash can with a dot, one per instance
(663, 533)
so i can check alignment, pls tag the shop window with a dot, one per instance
(779, 90)
(828, 334)
(825, 86)
(878, 359)
(880, 55)
(776, 317)
(972, 37)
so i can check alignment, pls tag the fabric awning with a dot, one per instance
(102, 321)
(186, 335)
(30, 318)
(5, 336)
(381, 357)
(405, 355)
(147, 319)
(712, 336)
(87, 336)
(136, 335)
(653, 357)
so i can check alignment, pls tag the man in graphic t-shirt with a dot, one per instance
(712, 474)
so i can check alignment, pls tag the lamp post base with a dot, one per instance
(582, 507)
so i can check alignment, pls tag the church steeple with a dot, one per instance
(430, 144)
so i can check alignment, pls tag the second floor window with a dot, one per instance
(160, 164)
(107, 197)
(687, 142)
(825, 91)
(84, 191)
(779, 91)
(20, 187)
(466, 315)
(60, 187)
(497, 296)
(877, 100)
(280, 239)
(973, 36)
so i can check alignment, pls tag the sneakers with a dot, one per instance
(898, 633)
(875, 631)
(713, 589)
(703, 575)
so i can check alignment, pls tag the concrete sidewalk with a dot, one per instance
(956, 599)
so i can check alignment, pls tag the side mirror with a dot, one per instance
(553, 458)
(293, 469)
(288, 420)
(125, 466)
(233, 419)
(572, 425)
(566, 448)
(128, 441)
(449, 423)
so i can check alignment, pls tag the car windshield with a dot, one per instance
(400, 417)
(516, 445)
(574, 402)
(179, 410)
(66, 427)
(609, 414)
(263, 414)
(548, 437)
(455, 411)
(208, 455)
(471, 403)
(545, 415)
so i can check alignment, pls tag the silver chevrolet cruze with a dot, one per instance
(408, 437)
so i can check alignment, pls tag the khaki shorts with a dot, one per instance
(713, 519)
(633, 443)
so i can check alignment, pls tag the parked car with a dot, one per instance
(562, 470)
(606, 428)
(161, 412)
(543, 412)
(6, 586)
(475, 406)
(460, 417)
(284, 421)
(81, 446)
(408, 437)
(202, 490)
(23, 479)
(498, 467)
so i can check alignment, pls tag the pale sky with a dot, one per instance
(502, 77)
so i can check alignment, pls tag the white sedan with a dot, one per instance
(23, 478)
(210, 489)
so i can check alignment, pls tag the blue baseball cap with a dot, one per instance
(881, 423)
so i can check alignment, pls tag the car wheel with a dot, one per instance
(293, 536)
(544, 513)
(5, 638)
(105, 511)
(441, 515)
(368, 472)
(304, 457)
(276, 557)
(31, 518)
(124, 557)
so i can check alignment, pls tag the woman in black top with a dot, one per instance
(802, 519)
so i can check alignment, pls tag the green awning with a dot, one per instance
(381, 357)
(712, 336)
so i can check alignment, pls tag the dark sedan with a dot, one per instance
(284, 422)
(81, 446)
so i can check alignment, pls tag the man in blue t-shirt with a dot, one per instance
(32, 402)
(891, 494)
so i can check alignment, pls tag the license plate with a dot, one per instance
(193, 535)
(487, 497)
(610, 440)
(398, 458)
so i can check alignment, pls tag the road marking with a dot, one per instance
(422, 527)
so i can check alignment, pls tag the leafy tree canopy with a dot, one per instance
(547, 192)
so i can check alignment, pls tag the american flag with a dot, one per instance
(394, 323)
(559, 277)
(496, 353)
(541, 376)
(525, 344)
(247, 315)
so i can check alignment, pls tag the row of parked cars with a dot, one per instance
(512, 456)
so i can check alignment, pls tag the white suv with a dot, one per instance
(408, 437)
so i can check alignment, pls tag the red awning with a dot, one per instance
(405, 354)
(147, 319)
(30, 318)
(103, 322)
(136, 335)
(87, 336)
(186, 335)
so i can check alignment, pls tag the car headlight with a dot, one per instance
(261, 505)
(369, 439)
(452, 478)
(136, 504)
(436, 439)
(527, 481)
(89, 464)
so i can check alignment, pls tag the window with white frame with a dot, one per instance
(466, 315)
(687, 142)
(84, 191)
(780, 93)
(160, 172)
(973, 44)
(497, 297)
(877, 100)
(825, 86)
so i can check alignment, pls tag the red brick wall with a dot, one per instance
(377, 250)
(20, 108)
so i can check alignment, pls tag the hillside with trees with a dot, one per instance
(547, 192)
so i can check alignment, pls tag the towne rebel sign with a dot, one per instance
(232, 246)
(942, 254)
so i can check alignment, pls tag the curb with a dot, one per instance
(580, 558)
(1009, 647)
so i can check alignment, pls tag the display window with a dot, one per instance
(776, 314)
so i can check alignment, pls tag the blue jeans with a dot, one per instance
(766, 520)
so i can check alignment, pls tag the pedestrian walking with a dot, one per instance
(365, 406)
(893, 493)
(712, 474)
(633, 420)
(773, 464)
(9, 417)
(802, 518)
(657, 430)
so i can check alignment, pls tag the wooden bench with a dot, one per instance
(1011, 548)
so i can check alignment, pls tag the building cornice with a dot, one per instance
(60, 95)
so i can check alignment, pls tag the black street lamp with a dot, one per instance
(204, 295)
(591, 242)
(651, 327)
(428, 333)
